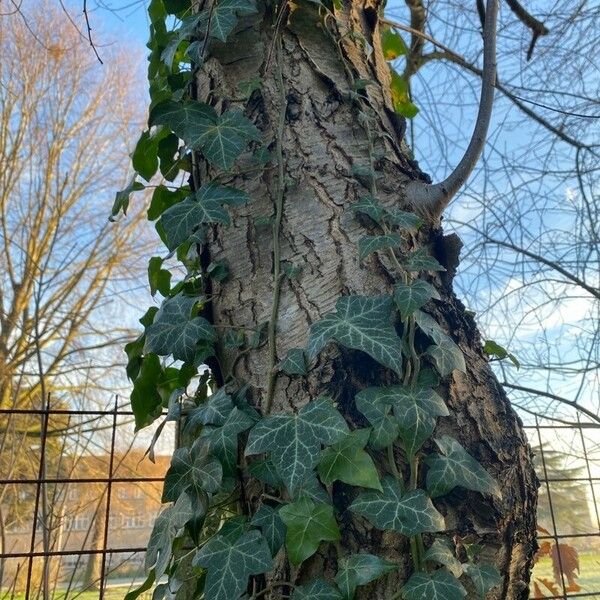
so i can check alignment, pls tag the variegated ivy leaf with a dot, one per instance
(213, 411)
(446, 354)
(421, 260)
(206, 206)
(272, 527)
(221, 139)
(385, 428)
(294, 363)
(367, 205)
(411, 297)
(308, 524)
(360, 569)
(361, 323)
(484, 577)
(455, 467)
(311, 488)
(409, 513)
(347, 461)
(223, 441)
(184, 31)
(318, 589)
(175, 332)
(372, 243)
(437, 586)
(441, 552)
(168, 526)
(192, 469)
(264, 470)
(402, 219)
(416, 410)
(294, 441)
(230, 562)
(224, 17)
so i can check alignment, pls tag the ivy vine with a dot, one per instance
(200, 542)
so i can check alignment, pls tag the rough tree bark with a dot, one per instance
(325, 150)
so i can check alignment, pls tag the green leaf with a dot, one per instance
(347, 461)
(484, 577)
(264, 470)
(144, 587)
(385, 428)
(308, 524)
(456, 467)
(411, 297)
(369, 206)
(164, 198)
(175, 332)
(192, 469)
(214, 411)
(226, 138)
(144, 157)
(159, 278)
(318, 589)
(168, 154)
(421, 260)
(441, 552)
(446, 353)
(230, 562)
(218, 270)
(402, 219)
(437, 586)
(360, 569)
(167, 528)
(294, 441)
(272, 527)
(401, 97)
(146, 401)
(416, 410)
(361, 323)
(188, 120)
(184, 31)
(294, 363)
(224, 16)
(121, 202)
(223, 441)
(392, 44)
(492, 348)
(409, 514)
(372, 243)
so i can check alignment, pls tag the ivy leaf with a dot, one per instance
(367, 205)
(441, 552)
(318, 589)
(492, 348)
(360, 569)
(146, 401)
(166, 528)
(415, 410)
(272, 527)
(308, 524)
(188, 120)
(371, 243)
(311, 488)
(421, 260)
(437, 586)
(121, 202)
(184, 31)
(347, 461)
(392, 44)
(225, 138)
(456, 467)
(144, 157)
(446, 353)
(214, 411)
(411, 297)
(264, 470)
(294, 441)
(223, 441)
(385, 428)
(175, 332)
(294, 363)
(224, 16)
(230, 562)
(164, 198)
(159, 278)
(402, 219)
(408, 514)
(484, 577)
(192, 468)
(361, 323)
(144, 587)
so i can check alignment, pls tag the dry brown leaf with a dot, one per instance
(565, 558)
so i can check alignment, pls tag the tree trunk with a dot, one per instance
(327, 149)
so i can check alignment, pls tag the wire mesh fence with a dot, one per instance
(78, 501)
